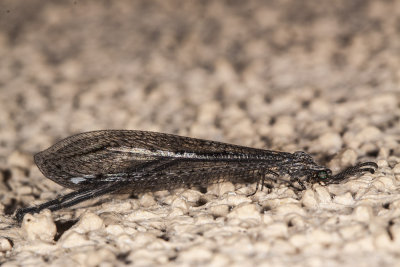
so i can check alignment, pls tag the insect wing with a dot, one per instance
(87, 158)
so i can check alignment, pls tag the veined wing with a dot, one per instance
(144, 142)
(110, 152)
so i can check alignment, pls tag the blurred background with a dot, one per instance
(222, 70)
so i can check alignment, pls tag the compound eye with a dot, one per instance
(322, 175)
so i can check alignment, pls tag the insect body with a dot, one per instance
(115, 161)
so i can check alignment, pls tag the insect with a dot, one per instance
(117, 161)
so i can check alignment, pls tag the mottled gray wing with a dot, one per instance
(87, 157)
(186, 174)
(90, 141)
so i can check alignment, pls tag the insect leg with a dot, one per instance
(290, 183)
(303, 187)
(70, 199)
(263, 173)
